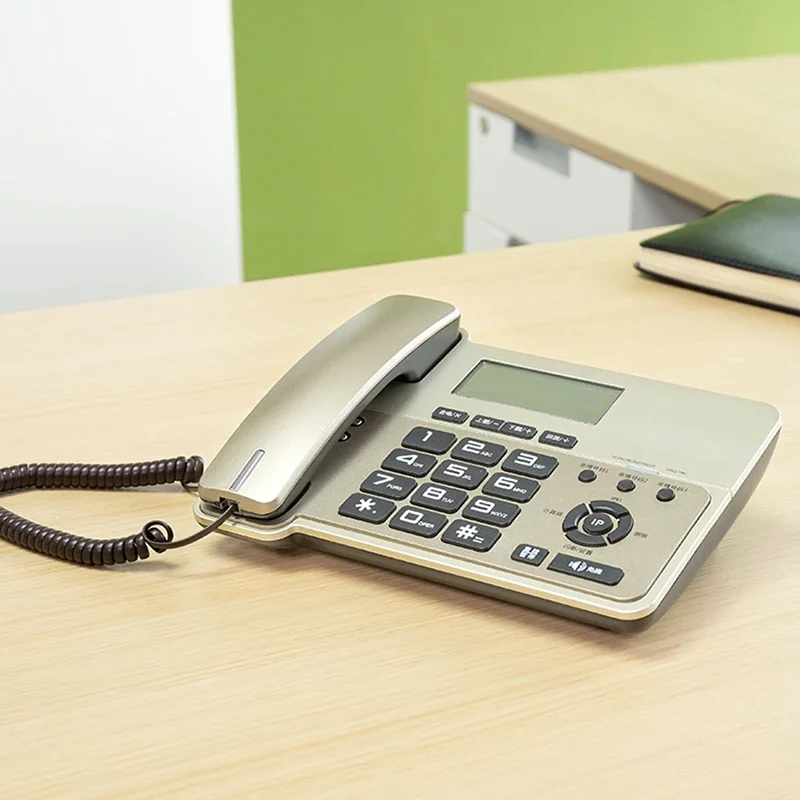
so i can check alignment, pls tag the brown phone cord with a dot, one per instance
(155, 535)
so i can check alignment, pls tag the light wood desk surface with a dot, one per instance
(708, 132)
(226, 670)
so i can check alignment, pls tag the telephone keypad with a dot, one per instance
(439, 498)
(529, 464)
(429, 440)
(418, 522)
(436, 476)
(471, 535)
(395, 487)
(464, 476)
(367, 509)
(510, 487)
(407, 463)
(496, 512)
(487, 454)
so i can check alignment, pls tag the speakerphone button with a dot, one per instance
(588, 570)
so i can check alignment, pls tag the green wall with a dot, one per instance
(352, 114)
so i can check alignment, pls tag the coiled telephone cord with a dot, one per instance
(156, 535)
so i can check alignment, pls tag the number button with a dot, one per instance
(510, 487)
(407, 463)
(465, 476)
(439, 498)
(429, 440)
(420, 523)
(532, 465)
(394, 486)
(497, 512)
(478, 452)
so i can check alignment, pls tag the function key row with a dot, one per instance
(520, 431)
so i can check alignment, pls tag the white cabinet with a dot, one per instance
(524, 187)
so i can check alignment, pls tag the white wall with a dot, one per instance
(118, 158)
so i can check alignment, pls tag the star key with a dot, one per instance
(367, 509)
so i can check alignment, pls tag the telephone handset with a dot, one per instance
(399, 442)
(272, 455)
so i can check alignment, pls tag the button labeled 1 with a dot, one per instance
(429, 440)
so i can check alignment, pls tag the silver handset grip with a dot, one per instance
(271, 456)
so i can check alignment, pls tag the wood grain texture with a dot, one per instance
(226, 670)
(708, 132)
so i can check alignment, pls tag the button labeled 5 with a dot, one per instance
(465, 476)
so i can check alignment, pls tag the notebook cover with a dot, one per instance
(760, 235)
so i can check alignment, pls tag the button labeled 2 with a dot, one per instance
(496, 512)
(475, 451)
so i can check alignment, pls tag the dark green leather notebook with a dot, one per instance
(750, 251)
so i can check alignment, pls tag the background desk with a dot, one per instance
(580, 155)
(226, 670)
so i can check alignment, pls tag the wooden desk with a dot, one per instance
(703, 133)
(225, 670)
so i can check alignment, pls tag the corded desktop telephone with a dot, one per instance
(399, 442)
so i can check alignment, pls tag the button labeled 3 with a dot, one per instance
(532, 465)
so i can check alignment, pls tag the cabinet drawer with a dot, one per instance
(541, 189)
(544, 190)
